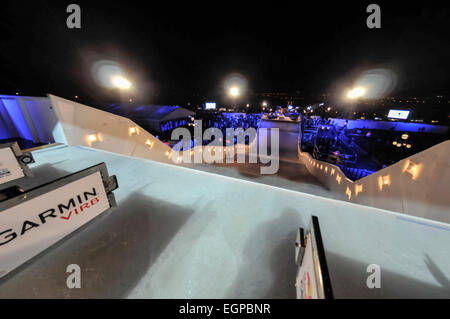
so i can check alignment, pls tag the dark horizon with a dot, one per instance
(176, 52)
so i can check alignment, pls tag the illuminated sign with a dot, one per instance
(35, 220)
(398, 114)
(210, 106)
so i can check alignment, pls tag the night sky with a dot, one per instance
(176, 50)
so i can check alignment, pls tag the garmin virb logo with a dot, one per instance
(78, 204)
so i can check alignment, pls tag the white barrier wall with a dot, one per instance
(417, 186)
(87, 126)
(54, 119)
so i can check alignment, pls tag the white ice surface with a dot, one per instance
(184, 233)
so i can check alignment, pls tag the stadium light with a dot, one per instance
(120, 82)
(356, 92)
(234, 91)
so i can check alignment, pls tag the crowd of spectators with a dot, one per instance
(325, 140)
(223, 121)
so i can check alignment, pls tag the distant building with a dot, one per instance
(162, 118)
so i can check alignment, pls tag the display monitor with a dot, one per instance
(398, 114)
(210, 105)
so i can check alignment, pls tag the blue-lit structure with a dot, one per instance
(362, 147)
(27, 120)
(161, 118)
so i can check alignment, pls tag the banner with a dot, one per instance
(39, 218)
(313, 280)
(306, 279)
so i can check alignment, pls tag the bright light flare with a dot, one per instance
(356, 92)
(234, 91)
(378, 83)
(235, 85)
(120, 82)
(109, 74)
(93, 138)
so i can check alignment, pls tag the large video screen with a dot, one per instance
(398, 114)
(210, 106)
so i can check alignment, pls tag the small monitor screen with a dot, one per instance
(398, 114)
(210, 106)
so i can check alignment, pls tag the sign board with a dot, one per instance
(313, 281)
(35, 220)
(9, 166)
(13, 163)
(398, 114)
